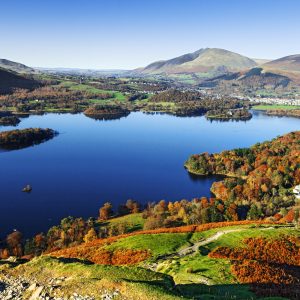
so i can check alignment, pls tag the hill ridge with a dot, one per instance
(15, 66)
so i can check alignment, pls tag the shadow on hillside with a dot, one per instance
(73, 260)
(167, 284)
(12, 264)
(239, 291)
(165, 281)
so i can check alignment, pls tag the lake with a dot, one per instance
(91, 162)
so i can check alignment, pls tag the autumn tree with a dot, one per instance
(90, 236)
(132, 206)
(154, 222)
(105, 211)
(14, 243)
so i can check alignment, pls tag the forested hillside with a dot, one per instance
(260, 178)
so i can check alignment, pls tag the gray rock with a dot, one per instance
(36, 293)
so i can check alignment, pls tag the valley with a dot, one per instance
(116, 203)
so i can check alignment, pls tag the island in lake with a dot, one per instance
(106, 112)
(17, 139)
(9, 121)
(228, 114)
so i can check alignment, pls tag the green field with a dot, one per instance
(133, 222)
(158, 244)
(88, 88)
(270, 107)
(233, 239)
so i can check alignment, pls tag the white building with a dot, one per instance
(296, 191)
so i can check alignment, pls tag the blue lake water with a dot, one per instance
(91, 162)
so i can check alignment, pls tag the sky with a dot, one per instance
(126, 34)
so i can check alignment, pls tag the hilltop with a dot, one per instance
(201, 61)
(287, 66)
(289, 63)
(16, 67)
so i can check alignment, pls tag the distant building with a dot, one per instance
(296, 191)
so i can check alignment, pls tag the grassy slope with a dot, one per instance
(93, 280)
(88, 88)
(199, 274)
(233, 239)
(158, 244)
(132, 221)
(196, 275)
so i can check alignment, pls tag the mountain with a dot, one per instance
(10, 81)
(16, 67)
(208, 60)
(289, 63)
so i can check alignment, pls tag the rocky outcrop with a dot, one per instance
(16, 288)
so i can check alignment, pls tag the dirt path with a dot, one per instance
(194, 248)
(188, 250)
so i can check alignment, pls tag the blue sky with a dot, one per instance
(128, 34)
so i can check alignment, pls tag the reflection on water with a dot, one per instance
(202, 178)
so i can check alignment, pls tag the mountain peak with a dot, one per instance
(204, 60)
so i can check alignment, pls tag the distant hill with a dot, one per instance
(255, 78)
(208, 60)
(87, 72)
(259, 77)
(288, 63)
(261, 61)
(16, 67)
(10, 81)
